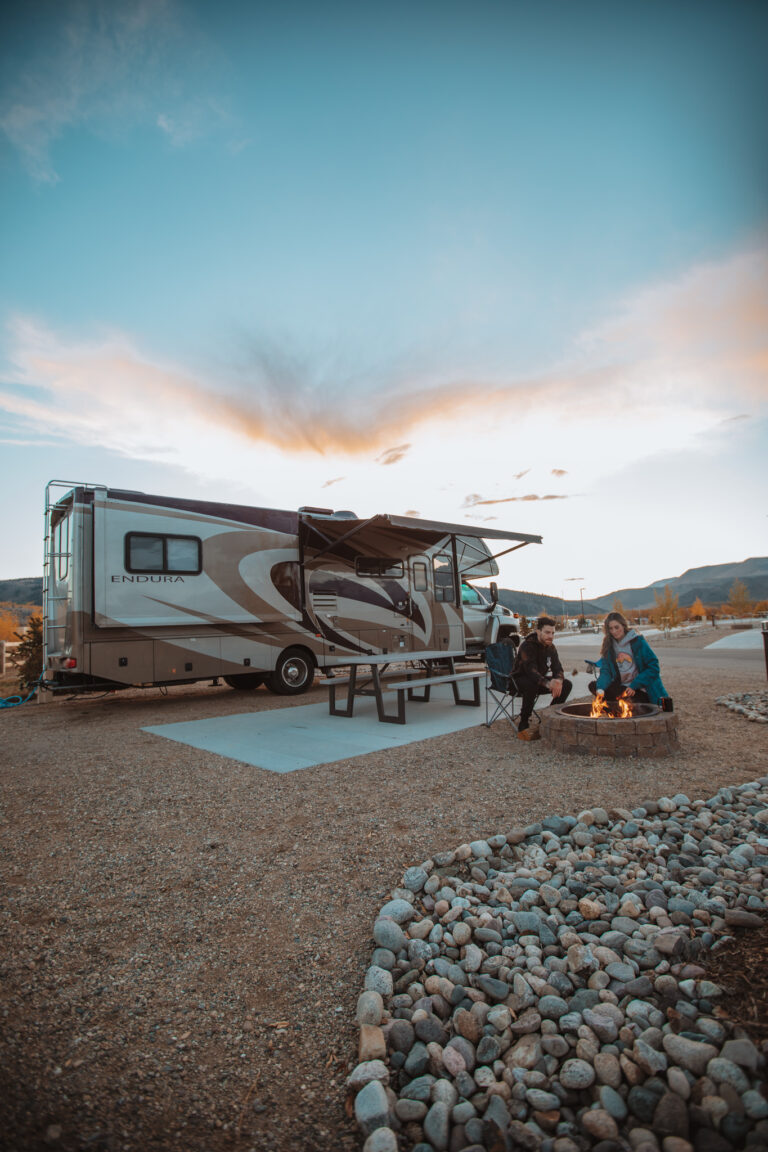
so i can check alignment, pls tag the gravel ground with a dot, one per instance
(184, 937)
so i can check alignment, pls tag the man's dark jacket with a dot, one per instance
(537, 662)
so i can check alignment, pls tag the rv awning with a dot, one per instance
(436, 529)
(328, 531)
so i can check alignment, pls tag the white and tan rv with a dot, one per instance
(143, 590)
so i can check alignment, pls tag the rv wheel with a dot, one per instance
(293, 673)
(245, 682)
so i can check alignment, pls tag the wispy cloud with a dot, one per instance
(106, 67)
(336, 480)
(559, 472)
(519, 475)
(393, 455)
(473, 500)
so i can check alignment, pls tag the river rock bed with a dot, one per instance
(752, 705)
(545, 989)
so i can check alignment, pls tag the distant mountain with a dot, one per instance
(532, 604)
(712, 583)
(26, 590)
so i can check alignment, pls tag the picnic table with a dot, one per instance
(422, 671)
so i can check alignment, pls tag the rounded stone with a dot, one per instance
(389, 934)
(415, 879)
(577, 1074)
(437, 1125)
(600, 1124)
(461, 932)
(552, 1007)
(755, 1105)
(398, 910)
(370, 1007)
(689, 1054)
(612, 1102)
(372, 1107)
(381, 1140)
(726, 1072)
(378, 980)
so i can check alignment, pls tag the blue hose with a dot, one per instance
(14, 701)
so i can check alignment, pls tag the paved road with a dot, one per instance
(751, 661)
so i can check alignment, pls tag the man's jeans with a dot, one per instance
(529, 690)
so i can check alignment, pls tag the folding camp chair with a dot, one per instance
(500, 685)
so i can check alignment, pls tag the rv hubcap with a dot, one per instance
(294, 672)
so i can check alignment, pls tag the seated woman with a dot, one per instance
(628, 665)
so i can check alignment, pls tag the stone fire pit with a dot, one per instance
(647, 732)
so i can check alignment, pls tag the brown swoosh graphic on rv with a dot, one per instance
(246, 631)
(364, 594)
(222, 564)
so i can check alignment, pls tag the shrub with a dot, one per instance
(27, 658)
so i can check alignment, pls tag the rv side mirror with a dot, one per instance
(494, 592)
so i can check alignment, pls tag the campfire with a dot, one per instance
(611, 728)
(620, 709)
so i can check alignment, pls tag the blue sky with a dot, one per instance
(501, 261)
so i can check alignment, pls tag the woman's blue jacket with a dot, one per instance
(648, 676)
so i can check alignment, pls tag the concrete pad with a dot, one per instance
(289, 739)
(748, 639)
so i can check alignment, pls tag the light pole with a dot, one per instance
(581, 593)
(575, 580)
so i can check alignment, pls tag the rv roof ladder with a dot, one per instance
(55, 490)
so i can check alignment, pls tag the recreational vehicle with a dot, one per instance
(143, 590)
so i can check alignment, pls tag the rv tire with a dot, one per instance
(294, 672)
(245, 681)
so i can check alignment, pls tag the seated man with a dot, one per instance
(537, 669)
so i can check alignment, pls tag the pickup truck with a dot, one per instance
(485, 621)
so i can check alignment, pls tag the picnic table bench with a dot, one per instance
(413, 682)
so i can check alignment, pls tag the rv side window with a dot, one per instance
(420, 583)
(444, 583)
(145, 553)
(378, 566)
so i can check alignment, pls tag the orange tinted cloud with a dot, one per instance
(559, 472)
(702, 338)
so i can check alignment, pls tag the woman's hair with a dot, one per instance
(608, 639)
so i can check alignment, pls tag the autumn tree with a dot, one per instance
(698, 611)
(667, 609)
(9, 622)
(738, 603)
(618, 607)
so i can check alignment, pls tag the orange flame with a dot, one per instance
(601, 708)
